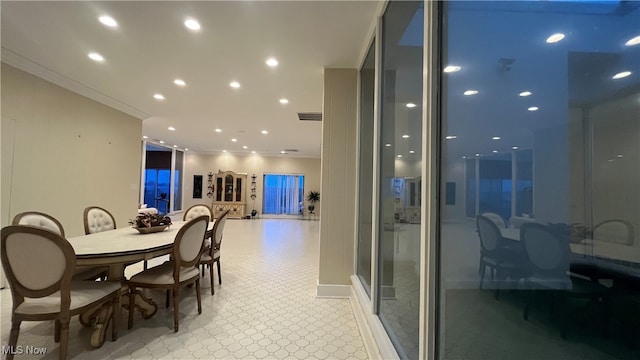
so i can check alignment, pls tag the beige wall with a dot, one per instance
(202, 164)
(62, 152)
(338, 177)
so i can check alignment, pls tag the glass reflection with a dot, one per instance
(400, 170)
(548, 153)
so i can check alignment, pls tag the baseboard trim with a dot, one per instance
(375, 337)
(333, 291)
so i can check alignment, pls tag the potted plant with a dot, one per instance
(312, 197)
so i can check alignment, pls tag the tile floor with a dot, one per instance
(265, 308)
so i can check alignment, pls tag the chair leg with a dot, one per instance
(64, 338)
(176, 303)
(13, 337)
(115, 314)
(483, 269)
(56, 331)
(213, 289)
(145, 265)
(198, 296)
(131, 305)
(219, 273)
(166, 302)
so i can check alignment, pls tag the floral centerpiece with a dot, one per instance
(147, 223)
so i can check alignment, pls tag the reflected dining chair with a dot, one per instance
(47, 292)
(48, 222)
(548, 259)
(614, 231)
(211, 254)
(181, 270)
(497, 219)
(504, 261)
(97, 219)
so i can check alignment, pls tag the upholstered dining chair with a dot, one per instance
(47, 292)
(97, 219)
(614, 231)
(48, 222)
(181, 270)
(504, 261)
(197, 210)
(211, 254)
(548, 259)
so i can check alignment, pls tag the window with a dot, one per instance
(400, 165)
(283, 194)
(365, 174)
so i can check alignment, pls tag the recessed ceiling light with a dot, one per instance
(158, 96)
(619, 155)
(533, 108)
(282, 152)
(108, 20)
(175, 146)
(464, 157)
(171, 128)
(514, 147)
(449, 137)
(145, 137)
(470, 92)
(387, 145)
(192, 24)
(633, 41)
(495, 151)
(272, 62)
(610, 160)
(234, 84)
(399, 155)
(496, 138)
(245, 146)
(452, 68)
(96, 57)
(621, 75)
(555, 38)
(234, 140)
(284, 101)
(264, 132)
(411, 105)
(218, 130)
(224, 151)
(405, 136)
(161, 142)
(411, 152)
(525, 93)
(253, 151)
(477, 154)
(186, 149)
(179, 82)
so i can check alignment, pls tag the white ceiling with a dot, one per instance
(151, 47)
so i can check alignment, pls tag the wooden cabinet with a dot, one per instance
(229, 194)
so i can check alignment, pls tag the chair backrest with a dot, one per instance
(497, 219)
(197, 210)
(38, 219)
(517, 221)
(547, 253)
(97, 219)
(614, 231)
(490, 235)
(188, 243)
(23, 246)
(218, 229)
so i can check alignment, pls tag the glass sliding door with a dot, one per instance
(400, 166)
(365, 170)
(540, 104)
(283, 194)
(162, 190)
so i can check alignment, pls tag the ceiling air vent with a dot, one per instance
(310, 116)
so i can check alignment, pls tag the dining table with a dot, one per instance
(116, 249)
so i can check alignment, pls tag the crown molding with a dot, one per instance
(16, 60)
